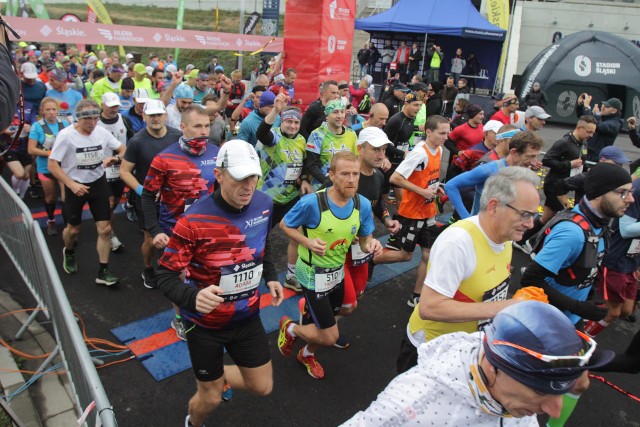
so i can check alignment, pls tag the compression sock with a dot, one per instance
(24, 186)
(50, 208)
(569, 402)
(593, 328)
(103, 267)
(291, 270)
(290, 329)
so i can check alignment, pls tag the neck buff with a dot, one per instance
(480, 391)
(592, 216)
(193, 146)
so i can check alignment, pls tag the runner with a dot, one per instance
(330, 220)
(141, 150)
(179, 175)
(217, 316)
(330, 138)
(78, 161)
(282, 152)
(41, 138)
(470, 264)
(504, 376)
(419, 175)
(372, 143)
(120, 127)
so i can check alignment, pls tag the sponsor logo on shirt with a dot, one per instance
(257, 221)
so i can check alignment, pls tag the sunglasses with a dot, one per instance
(580, 359)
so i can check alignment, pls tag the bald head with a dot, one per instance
(378, 115)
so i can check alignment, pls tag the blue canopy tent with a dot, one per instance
(450, 24)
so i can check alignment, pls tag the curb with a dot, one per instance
(47, 402)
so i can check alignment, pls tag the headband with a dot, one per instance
(291, 113)
(332, 106)
(88, 113)
(506, 135)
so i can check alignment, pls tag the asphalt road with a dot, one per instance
(353, 376)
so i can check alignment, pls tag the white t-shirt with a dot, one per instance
(416, 159)
(81, 156)
(436, 392)
(453, 258)
(174, 117)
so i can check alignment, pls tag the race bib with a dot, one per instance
(112, 172)
(433, 184)
(240, 281)
(576, 171)
(499, 293)
(634, 248)
(327, 278)
(404, 146)
(89, 157)
(358, 256)
(293, 173)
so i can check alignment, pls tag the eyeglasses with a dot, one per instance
(573, 361)
(524, 215)
(623, 193)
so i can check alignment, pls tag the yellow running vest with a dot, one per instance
(489, 282)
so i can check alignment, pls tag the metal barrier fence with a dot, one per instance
(23, 240)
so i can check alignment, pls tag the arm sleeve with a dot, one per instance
(451, 146)
(535, 274)
(572, 183)
(269, 272)
(464, 180)
(311, 166)
(172, 287)
(175, 258)
(264, 134)
(150, 213)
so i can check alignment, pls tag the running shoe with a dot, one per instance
(187, 423)
(178, 326)
(413, 300)
(130, 211)
(149, 278)
(393, 243)
(341, 342)
(69, 262)
(116, 244)
(227, 392)
(106, 278)
(285, 339)
(291, 282)
(311, 363)
(52, 230)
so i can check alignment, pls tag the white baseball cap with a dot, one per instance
(171, 68)
(29, 70)
(154, 106)
(111, 99)
(374, 136)
(140, 95)
(493, 125)
(240, 159)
